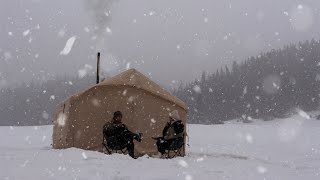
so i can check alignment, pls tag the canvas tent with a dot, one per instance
(145, 106)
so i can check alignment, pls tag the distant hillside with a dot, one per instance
(34, 103)
(267, 86)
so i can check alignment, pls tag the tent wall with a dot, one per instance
(142, 112)
(61, 127)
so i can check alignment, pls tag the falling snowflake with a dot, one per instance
(95, 102)
(52, 97)
(188, 177)
(261, 169)
(84, 155)
(183, 163)
(86, 29)
(128, 65)
(61, 33)
(83, 72)
(24, 164)
(302, 18)
(130, 99)
(26, 32)
(45, 115)
(200, 159)
(7, 56)
(87, 66)
(245, 90)
(249, 138)
(124, 92)
(108, 30)
(68, 46)
(151, 13)
(303, 114)
(271, 84)
(197, 89)
(61, 119)
(275, 85)
(318, 77)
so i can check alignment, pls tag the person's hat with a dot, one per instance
(117, 114)
(174, 115)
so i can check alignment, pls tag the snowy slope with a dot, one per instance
(281, 149)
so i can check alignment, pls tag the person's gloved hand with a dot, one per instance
(139, 137)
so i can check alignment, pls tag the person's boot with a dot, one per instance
(130, 148)
(131, 154)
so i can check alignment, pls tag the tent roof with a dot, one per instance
(134, 78)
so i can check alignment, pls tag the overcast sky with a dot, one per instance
(167, 40)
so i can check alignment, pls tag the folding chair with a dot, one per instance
(174, 148)
(112, 145)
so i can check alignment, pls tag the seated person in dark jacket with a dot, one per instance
(118, 136)
(172, 134)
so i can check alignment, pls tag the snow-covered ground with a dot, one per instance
(286, 149)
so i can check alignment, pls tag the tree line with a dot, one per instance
(271, 85)
(35, 103)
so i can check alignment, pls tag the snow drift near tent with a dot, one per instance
(145, 106)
